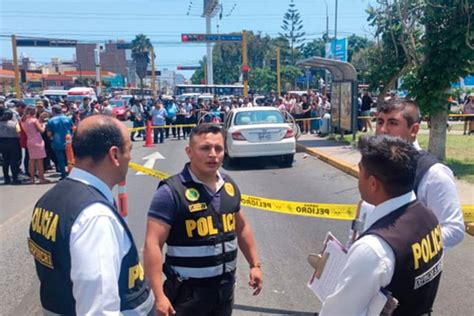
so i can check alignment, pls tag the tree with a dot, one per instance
(360, 61)
(355, 43)
(141, 48)
(317, 47)
(431, 43)
(262, 80)
(292, 27)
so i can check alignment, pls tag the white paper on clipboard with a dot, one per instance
(327, 282)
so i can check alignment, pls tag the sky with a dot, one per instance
(163, 21)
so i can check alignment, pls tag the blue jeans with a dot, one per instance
(155, 135)
(61, 159)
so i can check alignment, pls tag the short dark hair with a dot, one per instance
(205, 129)
(410, 110)
(95, 141)
(391, 160)
(56, 109)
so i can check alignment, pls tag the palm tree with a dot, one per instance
(141, 48)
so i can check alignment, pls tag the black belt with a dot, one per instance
(228, 277)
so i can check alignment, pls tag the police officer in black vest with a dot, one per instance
(85, 256)
(400, 249)
(197, 214)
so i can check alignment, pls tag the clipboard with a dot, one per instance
(327, 266)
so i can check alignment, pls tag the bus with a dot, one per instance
(215, 89)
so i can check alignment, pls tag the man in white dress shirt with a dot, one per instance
(434, 183)
(84, 252)
(400, 249)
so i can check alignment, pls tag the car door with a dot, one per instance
(291, 120)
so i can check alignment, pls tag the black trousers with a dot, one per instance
(204, 300)
(11, 152)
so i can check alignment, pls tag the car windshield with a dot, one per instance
(258, 117)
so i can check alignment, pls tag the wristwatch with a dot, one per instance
(256, 265)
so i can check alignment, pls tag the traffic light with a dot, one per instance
(193, 37)
(22, 75)
(245, 72)
(273, 64)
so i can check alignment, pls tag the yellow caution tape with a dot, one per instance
(329, 211)
(151, 172)
(468, 212)
(309, 209)
(136, 129)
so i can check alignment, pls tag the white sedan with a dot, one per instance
(260, 132)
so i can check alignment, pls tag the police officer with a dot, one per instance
(401, 247)
(434, 183)
(197, 213)
(85, 256)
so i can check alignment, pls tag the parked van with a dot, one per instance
(55, 95)
(79, 93)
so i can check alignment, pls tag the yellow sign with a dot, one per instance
(229, 188)
(192, 195)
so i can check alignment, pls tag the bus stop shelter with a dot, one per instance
(343, 92)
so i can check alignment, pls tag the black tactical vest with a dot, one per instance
(424, 163)
(50, 230)
(202, 242)
(414, 234)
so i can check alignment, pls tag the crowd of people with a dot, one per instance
(33, 140)
(33, 136)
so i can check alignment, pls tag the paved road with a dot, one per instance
(283, 241)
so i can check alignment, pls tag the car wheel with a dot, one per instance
(228, 161)
(287, 161)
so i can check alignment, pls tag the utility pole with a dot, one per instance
(335, 23)
(153, 74)
(210, 79)
(278, 72)
(15, 67)
(326, 42)
(97, 69)
(245, 66)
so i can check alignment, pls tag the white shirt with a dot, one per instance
(370, 266)
(97, 244)
(437, 191)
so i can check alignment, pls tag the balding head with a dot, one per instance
(95, 136)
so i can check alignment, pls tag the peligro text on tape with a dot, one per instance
(328, 211)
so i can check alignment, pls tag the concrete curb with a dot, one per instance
(339, 164)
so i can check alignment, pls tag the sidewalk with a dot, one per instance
(346, 158)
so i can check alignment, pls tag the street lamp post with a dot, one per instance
(326, 41)
(335, 23)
